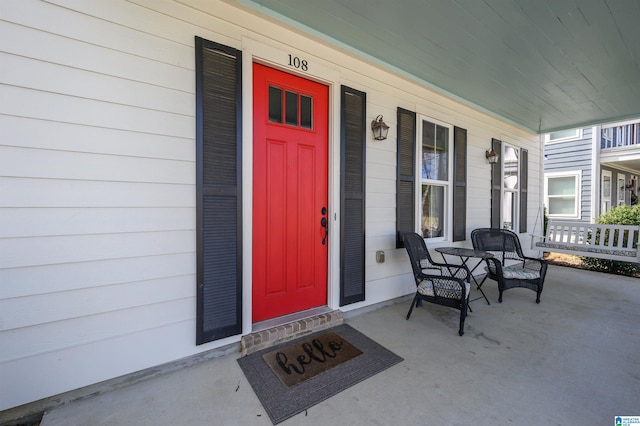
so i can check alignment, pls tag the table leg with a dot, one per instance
(478, 285)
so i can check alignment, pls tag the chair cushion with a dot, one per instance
(426, 288)
(517, 272)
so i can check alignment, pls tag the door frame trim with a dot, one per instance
(275, 57)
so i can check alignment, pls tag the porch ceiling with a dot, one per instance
(630, 163)
(543, 65)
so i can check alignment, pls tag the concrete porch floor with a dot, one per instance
(573, 359)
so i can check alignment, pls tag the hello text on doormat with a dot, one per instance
(305, 359)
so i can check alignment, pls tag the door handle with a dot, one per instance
(325, 225)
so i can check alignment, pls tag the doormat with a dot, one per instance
(329, 361)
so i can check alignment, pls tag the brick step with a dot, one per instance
(282, 333)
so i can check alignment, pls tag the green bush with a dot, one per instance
(623, 215)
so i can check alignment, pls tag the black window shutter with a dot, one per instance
(524, 187)
(496, 186)
(459, 184)
(352, 195)
(406, 174)
(218, 191)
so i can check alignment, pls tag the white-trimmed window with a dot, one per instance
(431, 180)
(605, 190)
(435, 157)
(563, 135)
(621, 189)
(509, 187)
(562, 193)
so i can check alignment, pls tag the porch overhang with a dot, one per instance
(543, 66)
(626, 158)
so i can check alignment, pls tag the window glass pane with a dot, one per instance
(563, 134)
(435, 150)
(510, 167)
(562, 206)
(433, 206)
(275, 104)
(291, 108)
(509, 210)
(621, 191)
(306, 111)
(565, 185)
(606, 187)
(562, 192)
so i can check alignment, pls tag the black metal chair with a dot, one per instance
(438, 283)
(509, 266)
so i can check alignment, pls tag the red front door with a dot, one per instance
(290, 138)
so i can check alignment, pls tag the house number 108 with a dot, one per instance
(296, 62)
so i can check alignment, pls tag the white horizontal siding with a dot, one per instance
(385, 171)
(165, 19)
(97, 180)
(43, 279)
(378, 185)
(381, 214)
(89, 302)
(74, 366)
(30, 42)
(34, 192)
(381, 157)
(386, 288)
(42, 163)
(53, 78)
(69, 109)
(68, 23)
(78, 333)
(49, 222)
(35, 251)
(35, 133)
(381, 200)
(97, 189)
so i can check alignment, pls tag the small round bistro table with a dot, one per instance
(465, 254)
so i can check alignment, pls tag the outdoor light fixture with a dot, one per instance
(492, 156)
(632, 184)
(380, 129)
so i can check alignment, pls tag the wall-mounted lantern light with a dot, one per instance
(632, 184)
(492, 156)
(380, 129)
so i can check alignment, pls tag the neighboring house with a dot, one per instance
(173, 174)
(588, 171)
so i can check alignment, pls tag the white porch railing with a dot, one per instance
(620, 136)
